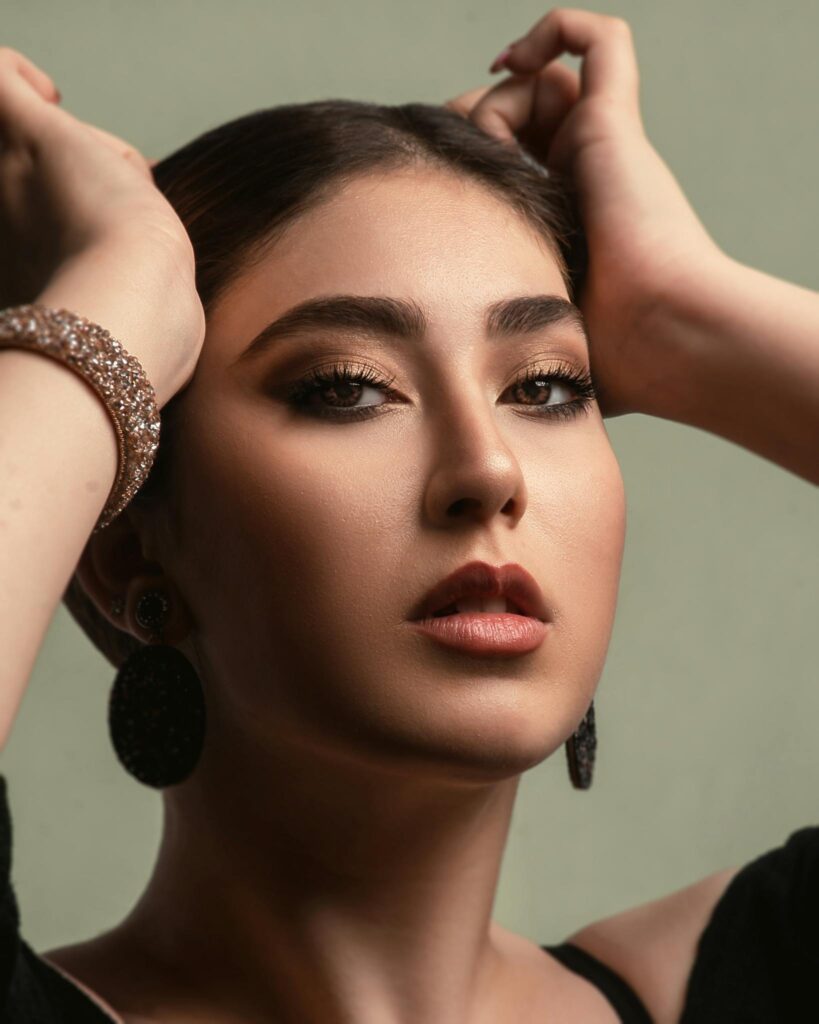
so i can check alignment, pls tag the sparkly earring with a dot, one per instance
(580, 751)
(156, 710)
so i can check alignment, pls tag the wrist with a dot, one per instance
(677, 328)
(143, 295)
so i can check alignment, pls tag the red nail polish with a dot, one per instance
(499, 61)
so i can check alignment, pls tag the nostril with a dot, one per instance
(457, 507)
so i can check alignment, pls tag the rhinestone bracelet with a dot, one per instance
(116, 376)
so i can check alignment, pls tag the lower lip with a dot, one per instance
(485, 632)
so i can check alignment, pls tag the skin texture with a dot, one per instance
(335, 855)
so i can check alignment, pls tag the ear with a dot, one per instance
(118, 565)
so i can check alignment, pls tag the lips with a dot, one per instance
(479, 580)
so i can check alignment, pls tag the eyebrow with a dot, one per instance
(404, 319)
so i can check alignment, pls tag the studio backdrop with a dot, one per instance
(708, 704)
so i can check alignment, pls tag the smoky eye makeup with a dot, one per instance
(342, 391)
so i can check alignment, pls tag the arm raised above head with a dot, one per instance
(677, 328)
(83, 228)
(740, 358)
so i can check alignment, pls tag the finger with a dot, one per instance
(125, 149)
(464, 103)
(531, 108)
(42, 83)
(23, 89)
(557, 90)
(505, 109)
(114, 141)
(609, 65)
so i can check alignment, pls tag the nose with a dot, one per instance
(474, 474)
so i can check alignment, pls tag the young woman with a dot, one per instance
(372, 576)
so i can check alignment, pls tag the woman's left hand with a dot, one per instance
(645, 243)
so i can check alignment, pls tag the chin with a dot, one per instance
(485, 736)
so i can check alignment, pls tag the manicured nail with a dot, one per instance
(499, 61)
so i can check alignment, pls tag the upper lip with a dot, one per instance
(479, 579)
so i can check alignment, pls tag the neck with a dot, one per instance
(300, 889)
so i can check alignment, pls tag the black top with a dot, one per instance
(757, 959)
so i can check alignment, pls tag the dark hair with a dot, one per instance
(238, 186)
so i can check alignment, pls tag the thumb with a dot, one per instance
(25, 90)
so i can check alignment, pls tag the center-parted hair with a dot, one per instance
(237, 187)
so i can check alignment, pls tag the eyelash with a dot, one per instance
(300, 393)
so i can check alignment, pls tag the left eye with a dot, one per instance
(541, 389)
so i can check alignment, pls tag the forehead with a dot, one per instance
(444, 241)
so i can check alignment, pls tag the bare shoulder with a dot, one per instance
(653, 946)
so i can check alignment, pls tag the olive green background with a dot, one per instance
(709, 703)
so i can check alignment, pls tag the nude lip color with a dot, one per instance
(480, 579)
(484, 632)
(499, 633)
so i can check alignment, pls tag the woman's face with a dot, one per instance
(304, 533)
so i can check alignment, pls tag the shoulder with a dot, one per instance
(653, 946)
(108, 972)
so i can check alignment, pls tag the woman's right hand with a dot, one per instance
(81, 216)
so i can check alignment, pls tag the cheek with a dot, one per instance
(299, 555)
(584, 516)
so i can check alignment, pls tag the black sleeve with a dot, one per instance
(9, 914)
(31, 989)
(758, 958)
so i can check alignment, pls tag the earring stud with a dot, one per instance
(152, 610)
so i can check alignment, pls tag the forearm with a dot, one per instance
(58, 458)
(737, 354)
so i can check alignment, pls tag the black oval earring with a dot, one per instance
(580, 751)
(156, 709)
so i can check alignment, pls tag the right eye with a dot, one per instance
(342, 385)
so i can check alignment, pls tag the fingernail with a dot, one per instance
(499, 61)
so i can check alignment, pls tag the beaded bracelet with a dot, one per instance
(116, 376)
